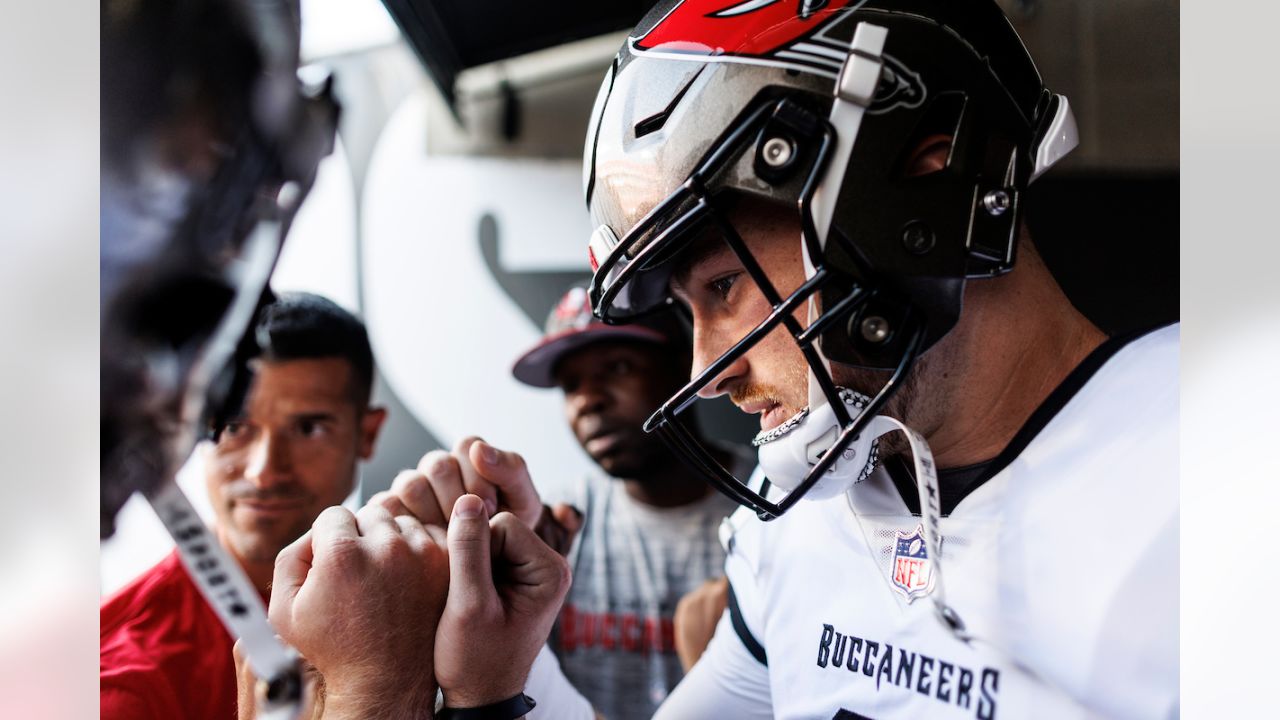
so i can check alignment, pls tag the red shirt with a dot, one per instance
(164, 653)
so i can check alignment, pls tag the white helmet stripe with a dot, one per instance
(854, 91)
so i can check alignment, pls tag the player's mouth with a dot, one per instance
(772, 414)
(603, 441)
(268, 508)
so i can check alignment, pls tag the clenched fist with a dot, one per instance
(506, 587)
(500, 478)
(360, 596)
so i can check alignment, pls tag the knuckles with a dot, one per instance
(503, 519)
(404, 480)
(563, 576)
(518, 459)
(434, 466)
(343, 555)
(463, 446)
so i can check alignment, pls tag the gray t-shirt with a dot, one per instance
(631, 564)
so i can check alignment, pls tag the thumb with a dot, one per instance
(292, 565)
(246, 684)
(470, 569)
(508, 472)
(529, 564)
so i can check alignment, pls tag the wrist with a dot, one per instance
(511, 708)
(412, 698)
(463, 698)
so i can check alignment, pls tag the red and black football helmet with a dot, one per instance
(816, 105)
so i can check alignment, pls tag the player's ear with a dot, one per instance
(929, 156)
(370, 425)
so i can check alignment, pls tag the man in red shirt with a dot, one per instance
(294, 451)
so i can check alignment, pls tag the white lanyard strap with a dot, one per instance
(926, 474)
(228, 591)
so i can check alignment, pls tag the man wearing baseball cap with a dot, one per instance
(649, 534)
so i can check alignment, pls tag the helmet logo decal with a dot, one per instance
(787, 33)
(807, 7)
(792, 34)
(899, 87)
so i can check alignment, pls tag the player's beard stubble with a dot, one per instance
(922, 401)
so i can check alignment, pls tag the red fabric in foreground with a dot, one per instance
(164, 654)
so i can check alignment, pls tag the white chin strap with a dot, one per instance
(788, 452)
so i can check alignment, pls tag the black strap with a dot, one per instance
(954, 484)
(740, 626)
(1058, 399)
(509, 709)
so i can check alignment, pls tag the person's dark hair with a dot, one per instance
(301, 326)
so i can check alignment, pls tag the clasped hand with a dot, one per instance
(386, 603)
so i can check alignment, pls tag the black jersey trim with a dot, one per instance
(1057, 400)
(740, 627)
(953, 483)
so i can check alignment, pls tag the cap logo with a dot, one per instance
(573, 311)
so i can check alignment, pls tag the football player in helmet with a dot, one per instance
(898, 139)
(835, 192)
(210, 142)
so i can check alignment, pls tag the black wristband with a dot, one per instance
(509, 709)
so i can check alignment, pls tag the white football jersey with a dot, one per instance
(1062, 566)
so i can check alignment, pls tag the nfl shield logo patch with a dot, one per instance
(912, 571)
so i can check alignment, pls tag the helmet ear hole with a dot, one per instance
(943, 120)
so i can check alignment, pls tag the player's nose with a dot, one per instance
(708, 352)
(590, 397)
(268, 461)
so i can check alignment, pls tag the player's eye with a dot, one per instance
(309, 428)
(621, 366)
(723, 284)
(233, 431)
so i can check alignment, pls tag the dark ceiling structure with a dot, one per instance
(450, 36)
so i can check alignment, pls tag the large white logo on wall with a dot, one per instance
(444, 330)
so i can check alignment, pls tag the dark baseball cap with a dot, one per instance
(571, 326)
